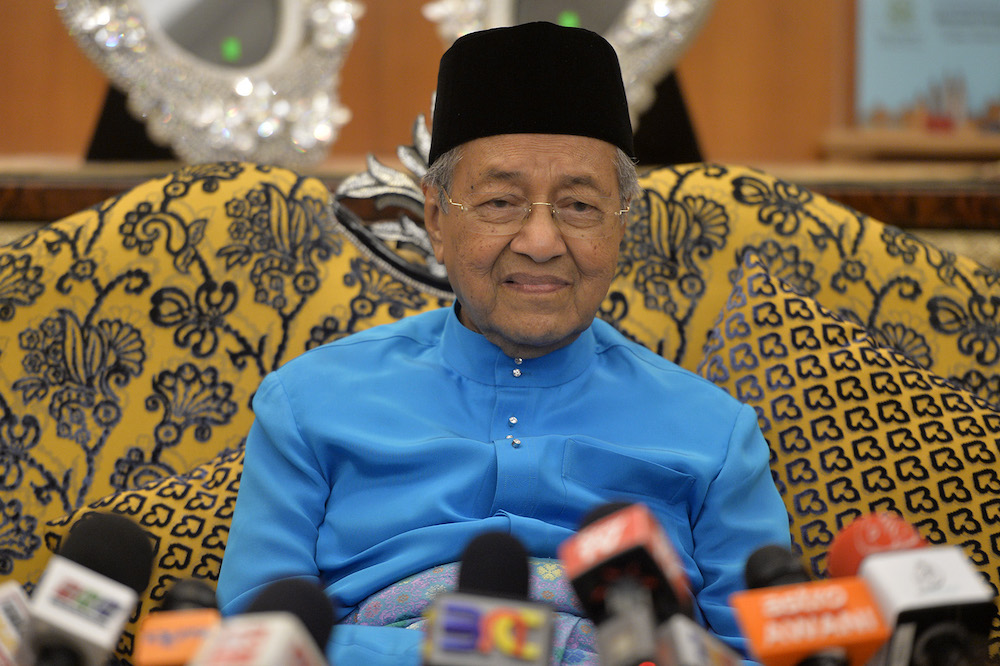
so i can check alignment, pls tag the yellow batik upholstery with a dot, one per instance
(855, 427)
(133, 335)
(182, 293)
(688, 231)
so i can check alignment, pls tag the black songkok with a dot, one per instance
(537, 78)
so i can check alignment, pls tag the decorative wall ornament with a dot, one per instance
(398, 197)
(281, 110)
(649, 36)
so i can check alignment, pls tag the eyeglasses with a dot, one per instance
(577, 215)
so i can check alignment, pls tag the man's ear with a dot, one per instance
(432, 219)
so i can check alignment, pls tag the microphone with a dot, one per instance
(683, 642)
(939, 605)
(188, 594)
(172, 635)
(628, 579)
(789, 620)
(14, 624)
(874, 533)
(88, 590)
(303, 598)
(488, 620)
(289, 622)
(620, 542)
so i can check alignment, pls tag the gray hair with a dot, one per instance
(441, 173)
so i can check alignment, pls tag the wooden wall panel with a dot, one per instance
(389, 77)
(50, 93)
(764, 81)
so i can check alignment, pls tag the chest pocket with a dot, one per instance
(616, 472)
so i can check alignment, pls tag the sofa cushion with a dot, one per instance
(187, 517)
(855, 427)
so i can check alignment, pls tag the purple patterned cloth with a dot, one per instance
(403, 604)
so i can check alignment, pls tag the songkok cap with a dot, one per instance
(537, 78)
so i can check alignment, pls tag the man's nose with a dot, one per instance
(539, 237)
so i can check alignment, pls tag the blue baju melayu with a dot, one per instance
(383, 454)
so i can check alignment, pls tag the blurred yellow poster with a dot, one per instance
(928, 65)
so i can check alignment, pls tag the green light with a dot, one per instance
(569, 18)
(231, 49)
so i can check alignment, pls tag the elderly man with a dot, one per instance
(374, 460)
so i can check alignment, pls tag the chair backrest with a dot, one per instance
(689, 232)
(134, 334)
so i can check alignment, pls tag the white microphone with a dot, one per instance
(260, 639)
(289, 622)
(89, 590)
(683, 642)
(940, 606)
(14, 625)
(76, 611)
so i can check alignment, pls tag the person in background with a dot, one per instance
(375, 459)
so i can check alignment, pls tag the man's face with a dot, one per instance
(537, 290)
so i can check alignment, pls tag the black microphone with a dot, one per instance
(305, 599)
(620, 543)
(189, 594)
(629, 580)
(89, 590)
(488, 620)
(494, 564)
(288, 622)
(773, 565)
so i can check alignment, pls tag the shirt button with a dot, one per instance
(517, 372)
(518, 360)
(512, 420)
(516, 443)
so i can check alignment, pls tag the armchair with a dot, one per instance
(134, 335)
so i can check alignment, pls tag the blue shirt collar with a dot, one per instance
(478, 359)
